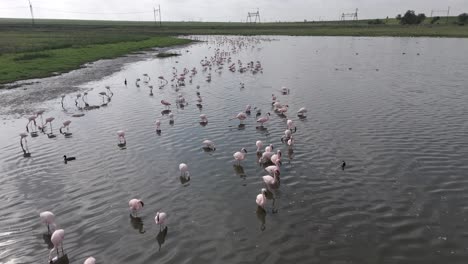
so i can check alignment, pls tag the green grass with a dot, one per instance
(36, 65)
(62, 45)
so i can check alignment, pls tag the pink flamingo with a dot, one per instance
(121, 137)
(49, 120)
(276, 158)
(90, 260)
(261, 199)
(264, 119)
(247, 109)
(160, 219)
(183, 168)
(291, 141)
(272, 182)
(66, 125)
(32, 121)
(259, 145)
(269, 148)
(135, 206)
(287, 135)
(291, 125)
(241, 116)
(57, 240)
(39, 113)
(283, 109)
(273, 98)
(48, 218)
(240, 155)
(266, 156)
(165, 103)
(272, 170)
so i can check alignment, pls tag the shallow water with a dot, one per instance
(398, 120)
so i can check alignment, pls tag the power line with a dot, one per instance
(94, 13)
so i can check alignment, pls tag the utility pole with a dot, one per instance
(159, 13)
(32, 14)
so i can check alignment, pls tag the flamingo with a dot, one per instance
(269, 148)
(276, 158)
(203, 119)
(31, 120)
(57, 240)
(272, 182)
(48, 218)
(165, 103)
(39, 113)
(291, 125)
(282, 110)
(171, 118)
(287, 135)
(301, 112)
(135, 206)
(272, 170)
(261, 199)
(264, 119)
(92, 260)
(49, 120)
(241, 116)
(158, 125)
(291, 141)
(76, 100)
(110, 92)
(247, 109)
(259, 145)
(208, 145)
(266, 156)
(240, 155)
(121, 137)
(160, 219)
(66, 125)
(63, 97)
(104, 94)
(183, 168)
(284, 90)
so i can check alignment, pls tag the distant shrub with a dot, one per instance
(435, 19)
(462, 18)
(32, 56)
(375, 22)
(410, 18)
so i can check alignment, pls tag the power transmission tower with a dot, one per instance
(256, 15)
(32, 14)
(443, 11)
(354, 15)
(159, 14)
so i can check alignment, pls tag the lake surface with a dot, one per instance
(395, 109)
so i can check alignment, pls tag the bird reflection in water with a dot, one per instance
(261, 215)
(161, 237)
(239, 170)
(62, 260)
(241, 127)
(137, 224)
(47, 241)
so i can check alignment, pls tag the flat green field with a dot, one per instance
(51, 46)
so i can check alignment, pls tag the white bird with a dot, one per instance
(241, 116)
(287, 135)
(57, 240)
(48, 218)
(261, 199)
(301, 112)
(160, 219)
(247, 108)
(240, 155)
(135, 205)
(259, 145)
(208, 145)
(121, 137)
(291, 125)
(203, 119)
(183, 168)
(158, 125)
(90, 260)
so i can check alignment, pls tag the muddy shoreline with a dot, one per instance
(22, 97)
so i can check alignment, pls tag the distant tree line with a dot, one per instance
(410, 18)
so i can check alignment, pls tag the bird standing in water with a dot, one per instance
(343, 165)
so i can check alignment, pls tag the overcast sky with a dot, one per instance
(223, 10)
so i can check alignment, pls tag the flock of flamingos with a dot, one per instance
(218, 62)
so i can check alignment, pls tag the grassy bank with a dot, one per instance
(18, 66)
(60, 45)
